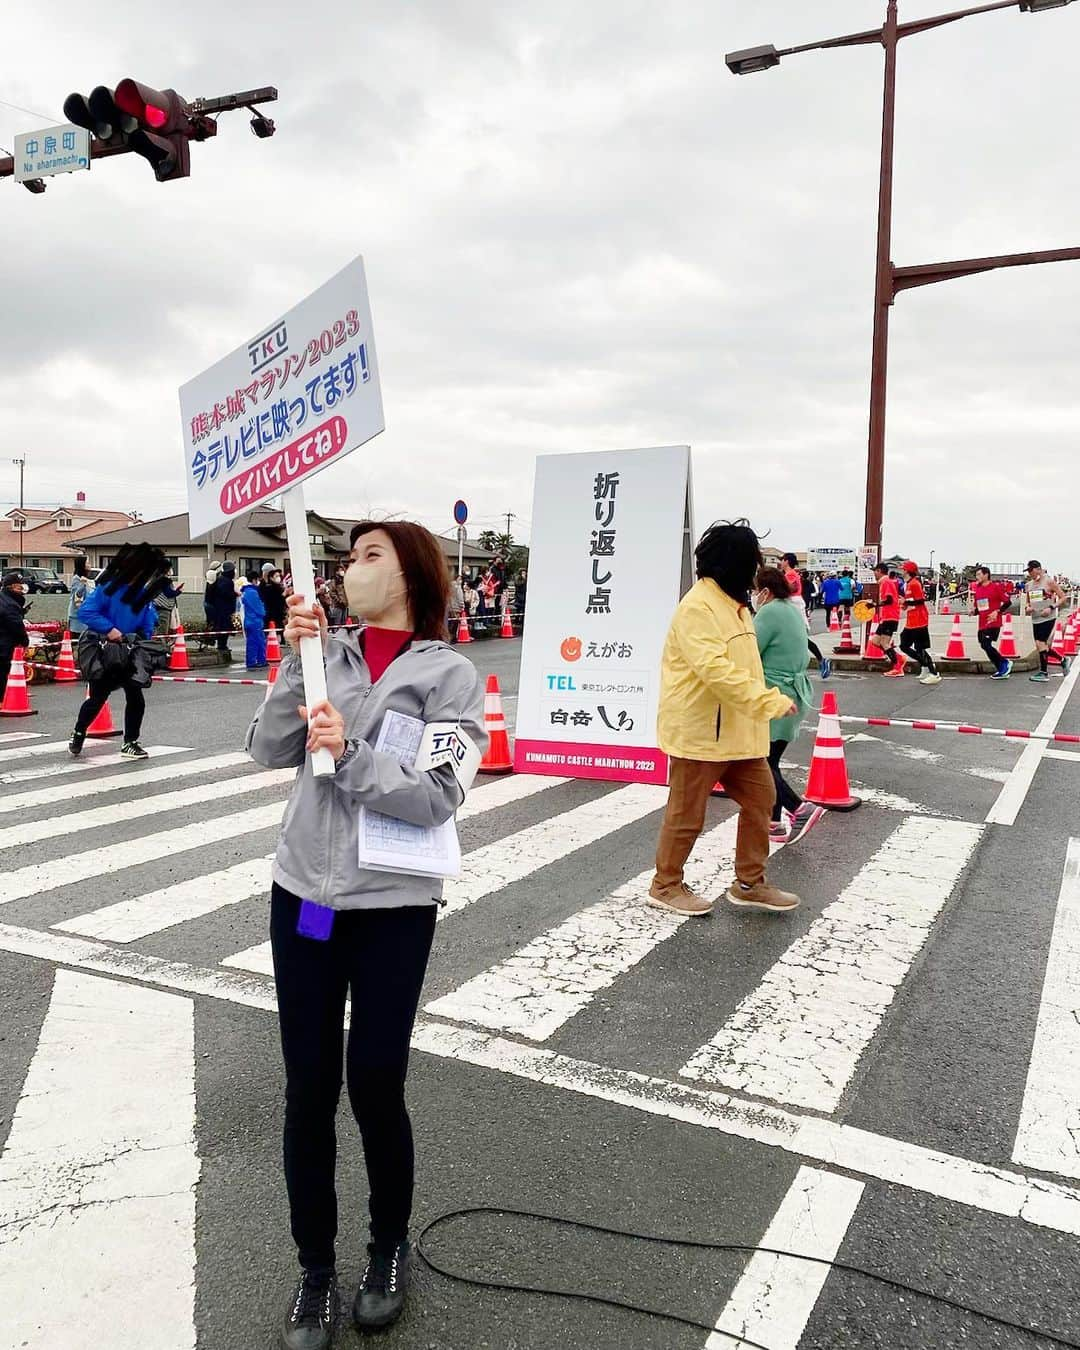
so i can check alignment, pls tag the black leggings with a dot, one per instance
(987, 638)
(378, 957)
(916, 644)
(814, 650)
(134, 704)
(786, 796)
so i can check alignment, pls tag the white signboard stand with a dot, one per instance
(300, 395)
(610, 557)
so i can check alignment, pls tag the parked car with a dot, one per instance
(45, 580)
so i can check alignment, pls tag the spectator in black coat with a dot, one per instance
(273, 598)
(13, 591)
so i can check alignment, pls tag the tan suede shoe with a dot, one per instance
(680, 899)
(762, 896)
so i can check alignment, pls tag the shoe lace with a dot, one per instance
(313, 1301)
(381, 1271)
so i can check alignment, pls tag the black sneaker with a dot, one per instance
(133, 750)
(309, 1323)
(381, 1295)
(75, 745)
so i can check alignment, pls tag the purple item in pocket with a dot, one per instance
(315, 921)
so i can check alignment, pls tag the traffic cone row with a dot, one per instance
(955, 651)
(65, 671)
(179, 658)
(497, 756)
(273, 648)
(828, 782)
(16, 698)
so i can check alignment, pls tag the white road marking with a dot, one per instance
(799, 1035)
(56, 827)
(81, 765)
(776, 1295)
(993, 1190)
(119, 857)
(97, 1181)
(514, 787)
(8, 737)
(51, 748)
(1048, 1135)
(129, 920)
(489, 869)
(1014, 793)
(163, 773)
(551, 979)
(1066, 755)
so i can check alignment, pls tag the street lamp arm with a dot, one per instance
(875, 35)
(904, 278)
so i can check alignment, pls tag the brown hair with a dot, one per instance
(424, 567)
(772, 579)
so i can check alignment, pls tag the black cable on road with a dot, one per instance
(551, 1291)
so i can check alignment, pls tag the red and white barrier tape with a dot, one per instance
(161, 679)
(963, 728)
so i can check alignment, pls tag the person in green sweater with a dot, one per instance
(781, 639)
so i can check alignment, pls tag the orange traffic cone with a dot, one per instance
(828, 781)
(1057, 641)
(463, 634)
(179, 658)
(497, 759)
(507, 626)
(834, 621)
(717, 790)
(1069, 637)
(847, 644)
(1007, 644)
(102, 726)
(873, 653)
(16, 696)
(945, 607)
(273, 647)
(65, 671)
(271, 680)
(955, 650)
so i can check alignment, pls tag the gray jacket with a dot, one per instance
(317, 856)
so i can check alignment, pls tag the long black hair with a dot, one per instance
(729, 553)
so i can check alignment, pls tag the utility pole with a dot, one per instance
(21, 462)
(509, 518)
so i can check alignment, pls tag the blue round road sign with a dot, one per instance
(461, 512)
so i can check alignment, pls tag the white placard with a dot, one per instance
(299, 395)
(831, 559)
(609, 559)
(868, 556)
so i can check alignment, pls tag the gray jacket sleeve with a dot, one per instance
(277, 737)
(377, 780)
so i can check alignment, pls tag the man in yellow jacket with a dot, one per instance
(713, 723)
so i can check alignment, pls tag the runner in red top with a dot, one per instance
(916, 640)
(888, 616)
(990, 600)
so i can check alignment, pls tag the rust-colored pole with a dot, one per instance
(883, 295)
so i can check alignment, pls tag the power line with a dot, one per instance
(45, 117)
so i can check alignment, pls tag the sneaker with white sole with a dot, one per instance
(804, 819)
(929, 678)
(763, 897)
(778, 832)
(133, 750)
(680, 899)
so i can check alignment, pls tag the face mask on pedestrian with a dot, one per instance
(372, 587)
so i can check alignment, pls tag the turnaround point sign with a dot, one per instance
(299, 395)
(609, 559)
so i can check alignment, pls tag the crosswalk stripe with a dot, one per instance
(551, 979)
(776, 1295)
(118, 857)
(101, 1153)
(53, 827)
(163, 773)
(7, 737)
(129, 920)
(494, 866)
(98, 761)
(1048, 1136)
(50, 748)
(799, 1035)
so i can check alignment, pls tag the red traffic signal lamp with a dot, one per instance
(154, 109)
(155, 123)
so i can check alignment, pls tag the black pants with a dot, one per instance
(915, 643)
(378, 957)
(134, 704)
(786, 796)
(987, 638)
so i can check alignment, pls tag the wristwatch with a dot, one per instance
(350, 751)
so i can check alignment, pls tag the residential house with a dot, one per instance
(34, 537)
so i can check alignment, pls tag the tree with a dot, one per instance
(516, 555)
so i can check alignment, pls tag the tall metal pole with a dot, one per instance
(21, 462)
(883, 296)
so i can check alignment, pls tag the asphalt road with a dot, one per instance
(876, 1078)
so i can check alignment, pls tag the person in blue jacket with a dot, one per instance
(254, 622)
(116, 612)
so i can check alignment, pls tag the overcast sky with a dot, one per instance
(581, 233)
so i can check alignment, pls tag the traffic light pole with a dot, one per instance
(203, 127)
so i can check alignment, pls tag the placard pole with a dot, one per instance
(303, 574)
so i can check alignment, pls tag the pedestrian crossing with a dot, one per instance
(548, 921)
(797, 1039)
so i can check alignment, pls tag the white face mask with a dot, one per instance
(370, 588)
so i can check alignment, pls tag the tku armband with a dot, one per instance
(446, 743)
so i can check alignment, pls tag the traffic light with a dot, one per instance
(155, 123)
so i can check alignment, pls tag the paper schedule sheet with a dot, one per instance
(387, 844)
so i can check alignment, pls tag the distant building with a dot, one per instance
(33, 537)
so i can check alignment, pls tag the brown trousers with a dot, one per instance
(748, 782)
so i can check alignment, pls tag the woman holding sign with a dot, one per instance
(342, 930)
